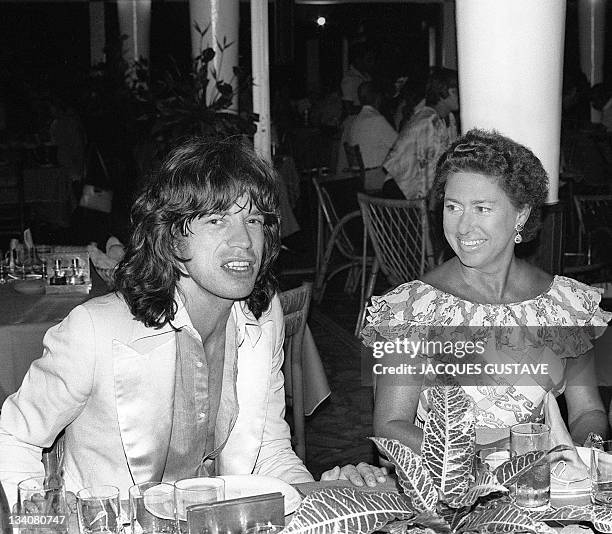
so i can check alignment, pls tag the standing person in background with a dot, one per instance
(373, 133)
(362, 58)
(411, 164)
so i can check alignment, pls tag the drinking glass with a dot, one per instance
(42, 506)
(601, 473)
(532, 488)
(98, 508)
(190, 491)
(152, 508)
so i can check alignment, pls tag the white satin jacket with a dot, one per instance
(109, 381)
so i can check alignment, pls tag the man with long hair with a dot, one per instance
(178, 372)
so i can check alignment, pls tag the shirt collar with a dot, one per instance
(247, 326)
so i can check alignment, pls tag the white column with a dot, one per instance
(510, 73)
(591, 37)
(449, 35)
(261, 76)
(97, 37)
(135, 22)
(222, 18)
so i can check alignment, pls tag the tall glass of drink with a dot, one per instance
(532, 488)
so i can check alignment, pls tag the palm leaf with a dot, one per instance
(449, 439)
(348, 510)
(412, 474)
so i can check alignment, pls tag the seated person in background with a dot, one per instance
(492, 190)
(412, 161)
(374, 135)
(177, 373)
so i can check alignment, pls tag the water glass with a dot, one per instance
(601, 473)
(99, 510)
(190, 491)
(42, 505)
(152, 508)
(532, 488)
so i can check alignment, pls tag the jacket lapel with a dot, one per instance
(144, 392)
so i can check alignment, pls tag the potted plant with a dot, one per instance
(443, 490)
(184, 105)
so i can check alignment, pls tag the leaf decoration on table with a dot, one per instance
(499, 518)
(348, 510)
(601, 517)
(570, 512)
(485, 484)
(508, 472)
(412, 474)
(449, 439)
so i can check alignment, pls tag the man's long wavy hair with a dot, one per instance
(196, 179)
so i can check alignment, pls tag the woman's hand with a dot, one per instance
(358, 475)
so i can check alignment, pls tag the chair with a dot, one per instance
(399, 232)
(295, 303)
(332, 236)
(594, 214)
(12, 202)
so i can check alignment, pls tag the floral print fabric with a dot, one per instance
(558, 324)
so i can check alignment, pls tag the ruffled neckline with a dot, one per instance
(566, 303)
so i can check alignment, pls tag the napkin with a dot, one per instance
(114, 253)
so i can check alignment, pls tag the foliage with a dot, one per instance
(185, 106)
(444, 490)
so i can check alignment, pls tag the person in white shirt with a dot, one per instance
(373, 133)
(359, 71)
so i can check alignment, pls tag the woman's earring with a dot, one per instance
(518, 238)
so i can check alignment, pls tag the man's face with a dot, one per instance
(452, 100)
(225, 252)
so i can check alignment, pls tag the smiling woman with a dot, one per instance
(492, 189)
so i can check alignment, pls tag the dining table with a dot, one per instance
(26, 318)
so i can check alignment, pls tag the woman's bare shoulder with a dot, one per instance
(442, 276)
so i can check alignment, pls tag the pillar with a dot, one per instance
(510, 55)
(261, 75)
(449, 35)
(97, 33)
(591, 38)
(135, 22)
(222, 18)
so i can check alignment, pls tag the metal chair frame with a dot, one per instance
(331, 237)
(399, 232)
(296, 304)
(594, 214)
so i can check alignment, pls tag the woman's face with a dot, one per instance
(479, 221)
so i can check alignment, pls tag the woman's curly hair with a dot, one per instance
(519, 172)
(197, 178)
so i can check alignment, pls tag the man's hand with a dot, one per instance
(358, 475)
